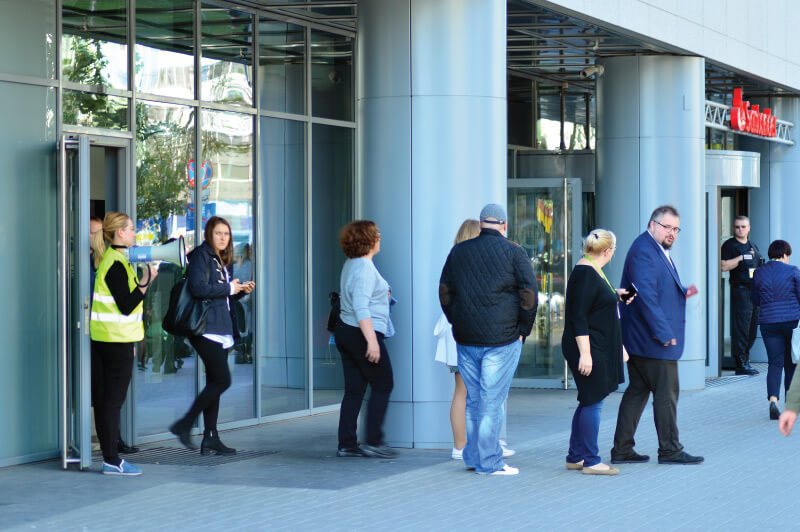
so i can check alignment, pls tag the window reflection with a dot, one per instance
(227, 62)
(165, 47)
(95, 42)
(282, 315)
(165, 380)
(331, 75)
(95, 110)
(227, 191)
(281, 66)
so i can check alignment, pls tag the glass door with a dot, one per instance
(75, 302)
(545, 219)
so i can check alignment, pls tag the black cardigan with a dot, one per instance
(207, 281)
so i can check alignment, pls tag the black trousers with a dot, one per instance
(659, 377)
(218, 379)
(358, 372)
(112, 366)
(744, 324)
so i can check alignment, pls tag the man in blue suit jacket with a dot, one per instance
(653, 329)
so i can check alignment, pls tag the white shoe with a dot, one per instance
(506, 451)
(456, 454)
(507, 471)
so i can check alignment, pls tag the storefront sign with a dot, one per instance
(750, 119)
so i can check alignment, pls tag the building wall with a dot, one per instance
(753, 37)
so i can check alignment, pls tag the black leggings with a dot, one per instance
(218, 379)
(358, 372)
(112, 366)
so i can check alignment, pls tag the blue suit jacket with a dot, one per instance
(658, 312)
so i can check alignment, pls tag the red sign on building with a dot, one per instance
(750, 119)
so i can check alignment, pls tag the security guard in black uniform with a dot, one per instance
(741, 257)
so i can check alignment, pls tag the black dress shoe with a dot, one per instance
(182, 430)
(212, 443)
(774, 411)
(631, 458)
(352, 452)
(746, 370)
(124, 448)
(681, 458)
(378, 451)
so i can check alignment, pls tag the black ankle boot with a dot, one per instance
(182, 429)
(212, 443)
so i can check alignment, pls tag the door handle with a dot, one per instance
(86, 307)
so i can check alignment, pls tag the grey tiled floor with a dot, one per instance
(750, 480)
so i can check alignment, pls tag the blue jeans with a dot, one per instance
(583, 440)
(778, 341)
(487, 374)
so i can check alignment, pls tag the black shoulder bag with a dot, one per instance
(186, 315)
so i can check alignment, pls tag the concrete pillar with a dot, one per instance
(650, 152)
(432, 151)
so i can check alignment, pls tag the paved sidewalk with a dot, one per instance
(750, 480)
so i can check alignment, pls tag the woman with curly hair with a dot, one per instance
(364, 323)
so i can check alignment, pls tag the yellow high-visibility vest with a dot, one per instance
(108, 324)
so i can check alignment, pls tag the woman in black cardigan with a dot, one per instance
(592, 346)
(209, 277)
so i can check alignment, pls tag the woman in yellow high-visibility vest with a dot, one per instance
(116, 325)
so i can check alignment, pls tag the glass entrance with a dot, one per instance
(545, 219)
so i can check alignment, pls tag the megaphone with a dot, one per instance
(174, 252)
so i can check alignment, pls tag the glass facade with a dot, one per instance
(218, 107)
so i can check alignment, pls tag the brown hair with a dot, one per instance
(112, 222)
(226, 255)
(469, 229)
(358, 238)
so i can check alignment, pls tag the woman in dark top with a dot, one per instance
(115, 326)
(209, 276)
(592, 346)
(776, 289)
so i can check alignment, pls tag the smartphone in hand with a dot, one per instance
(631, 292)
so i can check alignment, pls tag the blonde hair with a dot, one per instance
(598, 240)
(468, 230)
(112, 222)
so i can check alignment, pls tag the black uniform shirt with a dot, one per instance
(731, 249)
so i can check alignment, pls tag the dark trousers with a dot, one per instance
(583, 438)
(744, 324)
(112, 366)
(778, 342)
(358, 372)
(218, 379)
(659, 377)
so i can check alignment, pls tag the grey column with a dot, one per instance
(432, 151)
(650, 152)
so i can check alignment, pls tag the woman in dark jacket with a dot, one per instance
(776, 289)
(592, 346)
(209, 276)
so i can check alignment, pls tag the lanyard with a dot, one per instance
(600, 271)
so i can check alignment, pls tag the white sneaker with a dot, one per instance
(506, 451)
(456, 454)
(507, 471)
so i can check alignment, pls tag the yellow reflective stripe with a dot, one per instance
(116, 318)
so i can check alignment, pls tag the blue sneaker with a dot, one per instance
(124, 468)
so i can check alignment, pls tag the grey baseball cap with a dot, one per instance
(494, 211)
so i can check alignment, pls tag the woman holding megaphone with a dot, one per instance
(209, 277)
(115, 326)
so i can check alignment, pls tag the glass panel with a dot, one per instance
(227, 63)
(94, 44)
(165, 47)
(282, 314)
(331, 208)
(331, 76)
(548, 125)
(227, 191)
(29, 206)
(165, 380)
(727, 211)
(281, 66)
(95, 110)
(536, 218)
(27, 38)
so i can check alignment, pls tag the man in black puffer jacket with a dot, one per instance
(488, 292)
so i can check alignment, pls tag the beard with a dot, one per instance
(666, 244)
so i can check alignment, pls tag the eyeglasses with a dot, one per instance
(669, 228)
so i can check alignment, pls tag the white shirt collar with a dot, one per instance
(666, 251)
